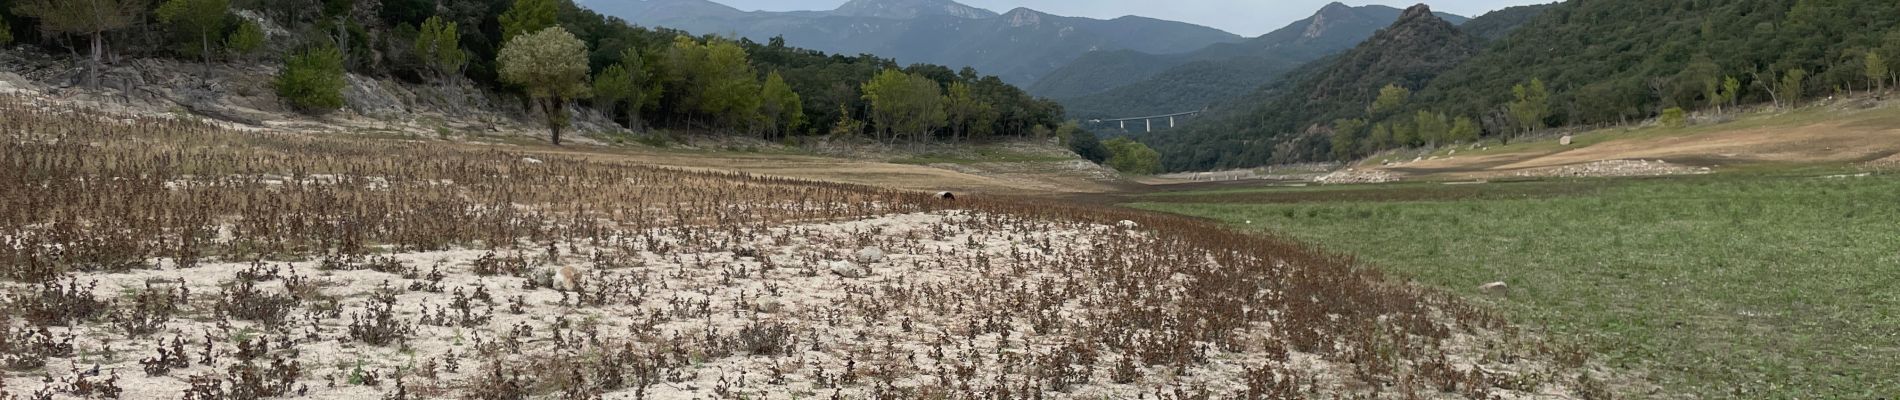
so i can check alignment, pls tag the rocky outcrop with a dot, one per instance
(241, 94)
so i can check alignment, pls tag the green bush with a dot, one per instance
(1131, 157)
(1675, 117)
(312, 81)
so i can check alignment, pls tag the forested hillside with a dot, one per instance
(549, 50)
(1496, 24)
(1126, 85)
(1277, 124)
(1580, 63)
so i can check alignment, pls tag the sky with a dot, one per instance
(1244, 17)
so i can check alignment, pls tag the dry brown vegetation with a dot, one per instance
(163, 258)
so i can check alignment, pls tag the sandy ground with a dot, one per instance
(920, 309)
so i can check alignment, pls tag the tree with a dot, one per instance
(528, 16)
(1391, 97)
(6, 32)
(846, 125)
(1089, 147)
(1432, 128)
(729, 86)
(246, 40)
(439, 46)
(1464, 129)
(551, 65)
(965, 112)
(93, 18)
(781, 108)
(1131, 157)
(903, 103)
(1793, 86)
(1379, 139)
(1731, 90)
(613, 85)
(1345, 142)
(200, 20)
(312, 81)
(1877, 70)
(1532, 105)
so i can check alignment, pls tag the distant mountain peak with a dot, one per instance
(1023, 16)
(908, 9)
(1416, 11)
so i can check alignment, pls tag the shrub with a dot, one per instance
(312, 81)
(1674, 117)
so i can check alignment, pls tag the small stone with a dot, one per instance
(1126, 224)
(1494, 288)
(530, 160)
(848, 269)
(870, 255)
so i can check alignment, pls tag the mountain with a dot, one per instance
(1020, 46)
(1282, 122)
(907, 9)
(1494, 25)
(1610, 61)
(1117, 84)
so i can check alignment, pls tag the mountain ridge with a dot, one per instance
(1106, 84)
(1020, 46)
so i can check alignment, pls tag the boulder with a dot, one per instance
(1126, 224)
(1566, 140)
(848, 269)
(870, 255)
(1494, 288)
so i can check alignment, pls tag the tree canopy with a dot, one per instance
(551, 67)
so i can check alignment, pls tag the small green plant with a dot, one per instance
(312, 81)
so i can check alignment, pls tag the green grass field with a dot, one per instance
(1750, 287)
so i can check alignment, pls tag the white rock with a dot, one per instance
(1494, 288)
(848, 269)
(1566, 140)
(568, 278)
(530, 160)
(1126, 224)
(870, 255)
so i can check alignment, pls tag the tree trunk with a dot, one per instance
(551, 107)
(205, 42)
(98, 53)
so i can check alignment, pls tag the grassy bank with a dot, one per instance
(1722, 287)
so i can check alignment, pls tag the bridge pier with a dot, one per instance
(1170, 122)
(1124, 125)
(1151, 124)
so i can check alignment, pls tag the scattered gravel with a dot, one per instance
(1612, 168)
(1358, 176)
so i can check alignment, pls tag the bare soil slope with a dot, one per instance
(1845, 133)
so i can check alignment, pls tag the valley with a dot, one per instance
(897, 199)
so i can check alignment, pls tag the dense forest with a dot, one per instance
(1579, 63)
(563, 54)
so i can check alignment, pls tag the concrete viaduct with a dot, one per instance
(1147, 123)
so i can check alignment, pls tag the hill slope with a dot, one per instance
(1122, 84)
(1020, 46)
(1276, 124)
